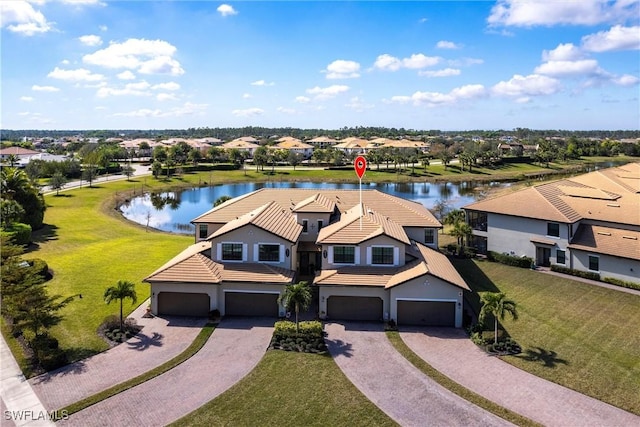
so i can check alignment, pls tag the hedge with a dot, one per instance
(286, 328)
(577, 273)
(623, 283)
(515, 261)
(19, 233)
(41, 267)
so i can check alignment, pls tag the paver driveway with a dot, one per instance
(234, 349)
(160, 340)
(451, 352)
(372, 364)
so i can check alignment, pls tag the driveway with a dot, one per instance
(384, 376)
(451, 352)
(160, 340)
(234, 349)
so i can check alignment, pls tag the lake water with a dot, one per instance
(173, 211)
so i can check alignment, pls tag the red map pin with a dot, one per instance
(360, 165)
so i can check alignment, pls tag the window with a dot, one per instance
(305, 225)
(560, 257)
(429, 236)
(320, 224)
(381, 255)
(232, 251)
(594, 263)
(477, 220)
(344, 254)
(269, 253)
(553, 229)
(203, 231)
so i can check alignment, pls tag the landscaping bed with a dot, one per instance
(308, 339)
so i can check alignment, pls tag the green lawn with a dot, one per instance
(288, 388)
(581, 336)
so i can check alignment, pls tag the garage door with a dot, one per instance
(354, 308)
(183, 304)
(427, 313)
(250, 304)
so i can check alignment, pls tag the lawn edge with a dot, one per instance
(454, 387)
(197, 344)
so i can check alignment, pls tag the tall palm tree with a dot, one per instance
(297, 295)
(124, 289)
(498, 305)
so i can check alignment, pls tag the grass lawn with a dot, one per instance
(289, 388)
(581, 336)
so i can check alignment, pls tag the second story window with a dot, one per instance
(429, 236)
(269, 253)
(203, 230)
(382, 255)
(232, 251)
(320, 224)
(305, 225)
(344, 254)
(553, 229)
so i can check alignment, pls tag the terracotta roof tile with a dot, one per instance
(316, 203)
(607, 240)
(190, 265)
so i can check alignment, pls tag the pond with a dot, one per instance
(173, 211)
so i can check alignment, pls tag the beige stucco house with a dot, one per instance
(370, 260)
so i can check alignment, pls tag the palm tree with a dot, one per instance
(297, 295)
(122, 290)
(498, 305)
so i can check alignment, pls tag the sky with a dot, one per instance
(447, 65)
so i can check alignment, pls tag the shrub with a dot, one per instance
(41, 267)
(310, 339)
(515, 261)
(577, 273)
(19, 233)
(622, 283)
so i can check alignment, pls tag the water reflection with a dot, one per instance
(173, 211)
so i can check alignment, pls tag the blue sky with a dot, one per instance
(448, 65)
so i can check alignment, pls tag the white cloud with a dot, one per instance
(78, 75)
(44, 88)
(90, 40)
(20, 17)
(65, 62)
(549, 12)
(248, 112)
(327, 92)
(262, 83)
(342, 69)
(358, 105)
(302, 99)
(531, 85)
(433, 99)
(103, 28)
(172, 86)
(563, 52)
(187, 109)
(26, 98)
(617, 38)
(286, 110)
(422, 20)
(568, 68)
(444, 44)
(387, 62)
(626, 80)
(246, 96)
(226, 10)
(446, 72)
(83, 2)
(465, 62)
(130, 89)
(126, 75)
(145, 56)
(166, 97)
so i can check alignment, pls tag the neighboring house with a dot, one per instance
(352, 145)
(19, 152)
(369, 261)
(241, 145)
(296, 146)
(590, 222)
(322, 142)
(45, 157)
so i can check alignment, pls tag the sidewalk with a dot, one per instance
(547, 270)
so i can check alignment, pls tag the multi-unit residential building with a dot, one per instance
(589, 222)
(370, 256)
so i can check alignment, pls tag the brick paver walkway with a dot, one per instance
(159, 341)
(234, 349)
(451, 352)
(392, 383)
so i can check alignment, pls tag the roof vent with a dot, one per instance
(613, 205)
(630, 237)
(604, 233)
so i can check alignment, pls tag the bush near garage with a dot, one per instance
(310, 339)
(515, 261)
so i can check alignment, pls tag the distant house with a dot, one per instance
(242, 145)
(373, 260)
(45, 157)
(322, 142)
(19, 152)
(352, 145)
(295, 145)
(590, 222)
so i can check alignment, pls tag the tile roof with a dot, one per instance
(318, 203)
(404, 212)
(607, 240)
(611, 195)
(17, 151)
(431, 262)
(270, 217)
(352, 229)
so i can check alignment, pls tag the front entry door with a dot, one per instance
(543, 256)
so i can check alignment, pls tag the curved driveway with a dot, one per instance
(392, 383)
(234, 349)
(451, 352)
